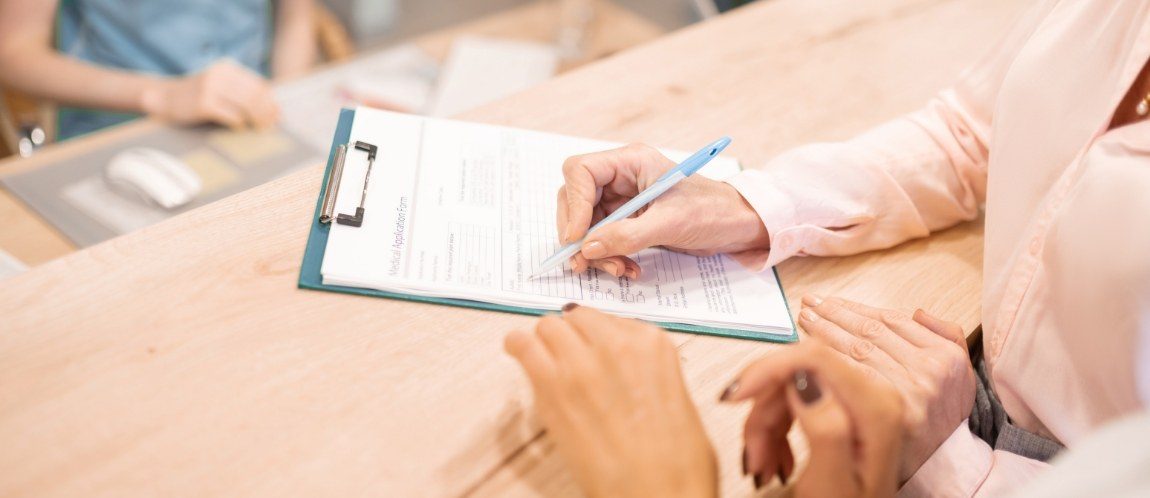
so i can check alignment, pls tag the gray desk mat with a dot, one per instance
(46, 189)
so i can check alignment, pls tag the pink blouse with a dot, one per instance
(1025, 132)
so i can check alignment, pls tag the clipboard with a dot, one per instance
(310, 277)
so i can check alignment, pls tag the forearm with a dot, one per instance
(294, 50)
(914, 175)
(45, 74)
(891, 184)
(30, 64)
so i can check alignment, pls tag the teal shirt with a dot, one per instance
(162, 37)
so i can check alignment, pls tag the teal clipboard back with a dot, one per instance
(310, 277)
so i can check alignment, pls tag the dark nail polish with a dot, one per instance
(570, 306)
(758, 481)
(807, 387)
(729, 391)
(782, 477)
(744, 461)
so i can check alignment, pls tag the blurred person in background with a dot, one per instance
(181, 61)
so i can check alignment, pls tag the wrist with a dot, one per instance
(748, 229)
(153, 98)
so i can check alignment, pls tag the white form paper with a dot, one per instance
(465, 210)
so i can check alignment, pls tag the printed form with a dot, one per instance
(467, 211)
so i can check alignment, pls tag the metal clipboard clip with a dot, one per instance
(333, 179)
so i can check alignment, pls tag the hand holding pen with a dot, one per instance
(697, 216)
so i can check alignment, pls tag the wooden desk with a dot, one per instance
(182, 361)
(27, 236)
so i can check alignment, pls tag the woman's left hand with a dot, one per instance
(611, 395)
(924, 358)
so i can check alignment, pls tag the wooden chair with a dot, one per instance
(335, 44)
(19, 111)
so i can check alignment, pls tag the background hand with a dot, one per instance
(924, 358)
(852, 422)
(225, 93)
(610, 394)
(698, 216)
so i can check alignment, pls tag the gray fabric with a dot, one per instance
(988, 416)
(1027, 444)
(989, 421)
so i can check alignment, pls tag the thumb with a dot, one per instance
(622, 238)
(825, 422)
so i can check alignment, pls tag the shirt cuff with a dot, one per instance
(777, 211)
(956, 469)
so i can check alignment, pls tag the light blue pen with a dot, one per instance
(669, 179)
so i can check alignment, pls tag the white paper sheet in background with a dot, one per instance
(10, 266)
(482, 70)
(400, 79)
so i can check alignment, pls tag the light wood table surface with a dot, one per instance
(30, 238)
(182, 361)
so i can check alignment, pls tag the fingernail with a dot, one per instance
(631, 273)
(809, 315)
(782, 477)
(569, 306)
(610, 267)
(807, 387)
(729, 391)
(594, 250)
(744, 461)
(566, 235)
(758, 481)
(812, 300)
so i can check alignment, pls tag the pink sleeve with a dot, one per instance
(904, 179)
(965, 466)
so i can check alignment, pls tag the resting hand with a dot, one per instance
(610, 394)
(851, 421)
(225, 93)
(923, 357)
(698, 216)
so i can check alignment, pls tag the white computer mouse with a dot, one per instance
(154, 176)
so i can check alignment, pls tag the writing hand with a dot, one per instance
(698, 216)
